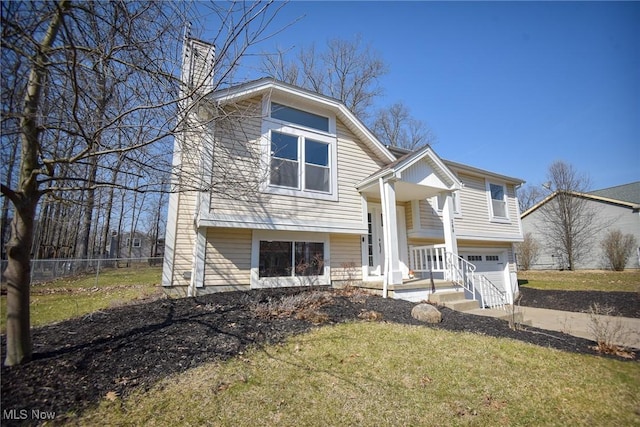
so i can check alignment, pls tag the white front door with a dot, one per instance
(375, 240)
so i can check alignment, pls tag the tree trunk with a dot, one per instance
(25, 201)
(18, 276)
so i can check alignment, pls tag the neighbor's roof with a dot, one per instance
(627, 192)
(622, 195)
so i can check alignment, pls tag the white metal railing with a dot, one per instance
(462, 273)
(435, 259)
(428, 259)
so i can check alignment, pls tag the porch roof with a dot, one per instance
(417, 175)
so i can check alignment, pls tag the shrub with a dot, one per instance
(527, 251)
(617, 248)
(302, 305)
(607, 330)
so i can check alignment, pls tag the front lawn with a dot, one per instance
(581, 280)
(389, 375)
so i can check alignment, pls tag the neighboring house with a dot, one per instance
(616, 208)
(332, 205)
(136, 245)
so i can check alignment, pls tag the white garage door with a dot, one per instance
(491, 265)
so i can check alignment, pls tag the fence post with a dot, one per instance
(98, 271)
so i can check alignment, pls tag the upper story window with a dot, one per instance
(302, 153)
(440, 199)
(299, 117)
(498, 201)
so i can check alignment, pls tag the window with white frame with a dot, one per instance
(498, 200)
(290, 259)
(440, 199)
(136, 242)
(300, 117)
(302, 153)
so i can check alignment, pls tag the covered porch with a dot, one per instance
(414, 177)
(390, 265)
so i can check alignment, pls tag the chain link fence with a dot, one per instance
(44, 270)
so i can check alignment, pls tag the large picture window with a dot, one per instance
(287, 259)
(302, 152)
(300, 163)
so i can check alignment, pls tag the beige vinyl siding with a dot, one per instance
(228, 257)
(408, 215)
(185, 233)
(346, 257)
(354, 163)
(474, 205)
(429, 218)
(185, 239)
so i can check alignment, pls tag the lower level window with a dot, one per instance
(286, 259)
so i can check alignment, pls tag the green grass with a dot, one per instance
(592, 280)
(72, 297)
(384, 374)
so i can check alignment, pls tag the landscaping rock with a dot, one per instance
(426, 313)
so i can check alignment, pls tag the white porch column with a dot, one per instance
(450, 240)
(392, 271)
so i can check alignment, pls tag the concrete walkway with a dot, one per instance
(576, 324)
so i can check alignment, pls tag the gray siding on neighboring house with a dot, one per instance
(616, 216)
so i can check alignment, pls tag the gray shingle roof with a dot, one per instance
(626, 193)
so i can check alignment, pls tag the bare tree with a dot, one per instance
(350, 71)
(347, 70)
(396, 127)
(99, 81)
(527, 251)
(617, 249)
(570, 222)
(529, 196)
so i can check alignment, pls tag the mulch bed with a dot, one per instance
(626, 304)
(77, 362)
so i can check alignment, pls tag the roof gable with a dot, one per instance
(421, 173)
(300, 97)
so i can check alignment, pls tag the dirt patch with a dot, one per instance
(113, 352)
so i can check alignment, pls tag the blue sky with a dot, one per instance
(506, 86)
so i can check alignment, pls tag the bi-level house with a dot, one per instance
(295, 190)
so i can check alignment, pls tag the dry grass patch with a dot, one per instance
(386, 374)
(582, 280)
(78, 296)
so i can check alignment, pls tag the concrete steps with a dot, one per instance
(457, 301)
(414, 290)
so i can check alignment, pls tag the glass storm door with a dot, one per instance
(375, 241)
